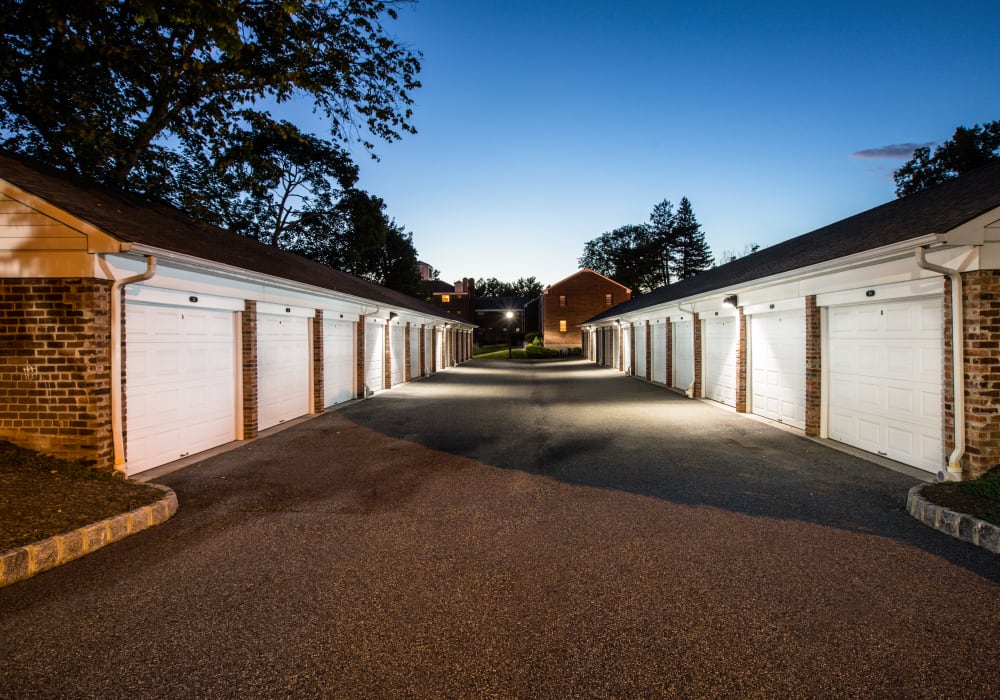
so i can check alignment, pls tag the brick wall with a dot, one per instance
(406, 353)
(55, 367)
(741, 364)
(697, 356)
(649, 352)
(360, 331)
(250, 393)
(585, 298)
(981, 302)
(319, 383)
(814, 367)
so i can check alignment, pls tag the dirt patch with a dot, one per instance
(41, 496)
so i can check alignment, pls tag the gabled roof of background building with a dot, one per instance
(588, 271)
(935, 210)
(131, 218)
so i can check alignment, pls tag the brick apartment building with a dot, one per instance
(573, 300)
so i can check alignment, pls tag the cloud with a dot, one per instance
(899, 151)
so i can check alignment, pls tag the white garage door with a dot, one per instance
(338, 361)
(640, 350)
(180, 381)
(397, 353)
(414, 352)
(885, 379)
(283, 390)
(616, 346)
(374, 357)
(778, 366)
(428, 351)
(438, 349)
(658, 353)
(721, 343)
(626, 364)
(683, 360)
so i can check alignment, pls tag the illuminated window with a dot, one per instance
(608, 299)
(562, 326)
(445, 298)
(562, 301)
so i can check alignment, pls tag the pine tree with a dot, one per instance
(690, 253)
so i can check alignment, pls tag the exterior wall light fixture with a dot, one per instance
(730, 301)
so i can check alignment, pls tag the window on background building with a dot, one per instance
(608, 299)
(445, 298)
(562, 326)
(562, 301)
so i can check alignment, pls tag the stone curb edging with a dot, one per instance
(964, 527)
(24, 562)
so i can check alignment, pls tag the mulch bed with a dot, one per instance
(41, 496)
(951, 496)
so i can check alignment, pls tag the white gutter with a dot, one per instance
(117, 424)
(954, 472)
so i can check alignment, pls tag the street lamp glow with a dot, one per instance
(510, 314)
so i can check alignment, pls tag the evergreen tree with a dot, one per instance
(690, 253)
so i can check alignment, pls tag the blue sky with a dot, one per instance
(544, 123)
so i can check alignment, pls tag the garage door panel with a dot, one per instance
(683, 349)
(179, 382)
(640, 350)
(886, 371)
(658, 353)
(719, 362)
(338, 361)
(777, 361)
(282, 369)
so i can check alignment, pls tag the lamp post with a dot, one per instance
(509, 315)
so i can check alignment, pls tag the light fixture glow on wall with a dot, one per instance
(730, 301)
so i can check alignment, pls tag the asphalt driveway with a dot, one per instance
(529, 531)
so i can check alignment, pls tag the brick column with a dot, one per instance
(406, 353)
(631, 350)
(981, 312)
(696, 332)
(814, 367)
(359, 354)
(669, 344)
(250, 395)
(319, 397)
(741, 363)
(649, 353)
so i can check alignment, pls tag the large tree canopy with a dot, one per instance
(106, 88)
(644, 257)
(174, 100)
(967, 150)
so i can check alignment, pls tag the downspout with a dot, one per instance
(117, 426)
(954, 472)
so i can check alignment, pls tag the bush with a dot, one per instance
(538, 351)
(537, 341)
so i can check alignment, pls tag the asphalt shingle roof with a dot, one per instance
(134, 219)
(935, 210)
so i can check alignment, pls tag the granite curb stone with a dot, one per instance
(24, 562)
(967, 528)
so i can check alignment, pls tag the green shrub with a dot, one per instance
(538, 351)
(537, 341)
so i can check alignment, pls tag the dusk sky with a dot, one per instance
(544, 123)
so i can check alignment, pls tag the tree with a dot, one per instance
(645, 257)
(966, 150)
(623, 255)
(357, 237)
(690, 253)
(527, 287)
(106, 89)
(170, 100)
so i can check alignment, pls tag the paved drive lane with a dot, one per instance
(537, 531)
